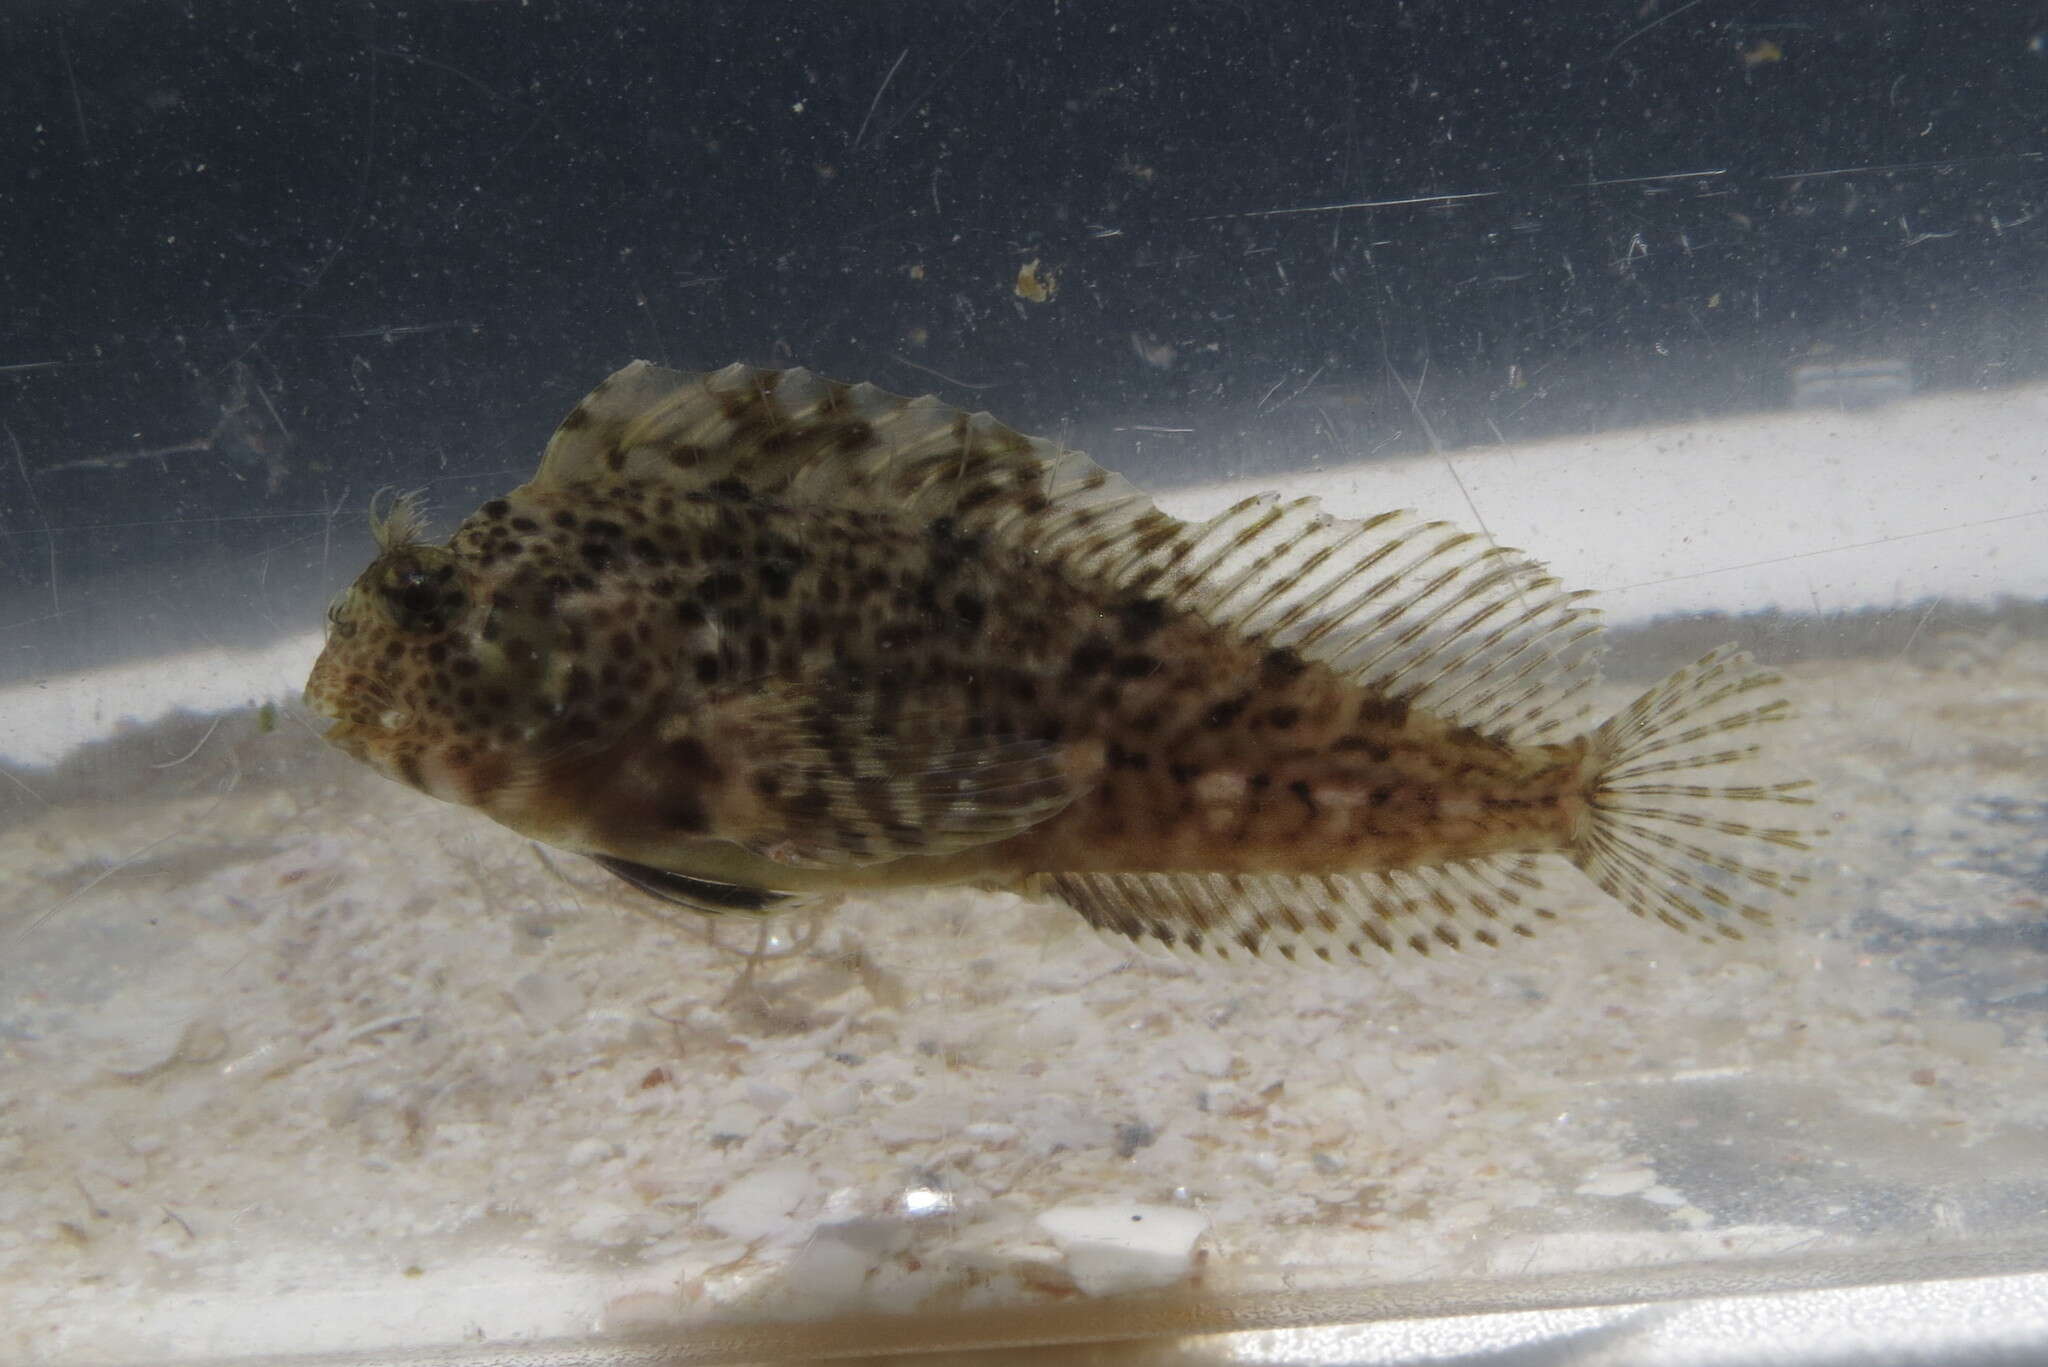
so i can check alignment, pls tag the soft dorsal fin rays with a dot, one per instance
(1479, 634)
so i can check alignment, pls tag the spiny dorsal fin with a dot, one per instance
(803, 440)
(1328, 918)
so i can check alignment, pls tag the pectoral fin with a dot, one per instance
(828, 781)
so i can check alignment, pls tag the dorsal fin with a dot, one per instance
(803, 440)
(1418, 611)
(1478, 634)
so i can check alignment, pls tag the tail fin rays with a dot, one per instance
(1681, 852)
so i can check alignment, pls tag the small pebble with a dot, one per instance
(1619, 1182)
(1110, 1250)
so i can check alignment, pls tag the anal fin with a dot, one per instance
(1325, 917)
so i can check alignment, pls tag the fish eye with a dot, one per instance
(422, 599)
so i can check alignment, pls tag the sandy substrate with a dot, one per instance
(296, 1060)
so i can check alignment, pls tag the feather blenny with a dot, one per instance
(753, 639)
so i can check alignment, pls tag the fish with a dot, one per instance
(756, 640)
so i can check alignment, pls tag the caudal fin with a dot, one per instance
(1666, 840)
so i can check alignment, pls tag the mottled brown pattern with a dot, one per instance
(783, 636)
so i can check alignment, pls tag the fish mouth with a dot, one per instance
(347, 737)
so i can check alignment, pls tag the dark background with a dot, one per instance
(301, 251)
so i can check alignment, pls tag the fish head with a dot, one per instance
(399, 660)
(484, 670)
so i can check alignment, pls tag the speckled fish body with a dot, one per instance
(753, 638)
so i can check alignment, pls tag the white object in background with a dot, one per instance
(1119, 1248)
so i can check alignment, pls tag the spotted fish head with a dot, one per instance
(478, 670)
(384, 676)
(420, 674)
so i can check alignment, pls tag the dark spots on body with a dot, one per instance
(1119, 758)
(1091, 657)
(1283, 718)
(1362, 745)
(689, 755)
(722, 585)
(1226, 713)
(1383, 711)
(682, 812)
(1282, 666)
(1472, 738)
(1140, 618)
